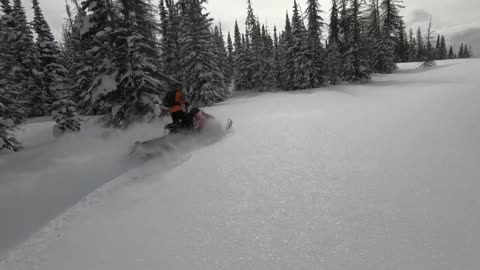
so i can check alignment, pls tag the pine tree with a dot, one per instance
(430, 51)
(242, 61)
(95, 70)
(344, 24)
(237, 38)
(26, 76)
(73, 51)
(251, 21)
(7, 59)
(230, 60)
(392, 24)
(333, 56)
(385, 62)
(54, 74)
(277, 61)
(137, 78)
(298, 54)
(355, 58)
(461, 51)
(451, 54)
(314, 50)
(12, 110)
(391, 16)
(221, 53)
(259, 67)
(334, 28)
(246, 63)
(466, 51)
(7, 23)
(443, 48)
(169, 28)
(333, 64)
(287, 57)
(204, 81)
(421, 54)
(403, 47)
(374, 37)
(11, 114)
(437, 49)
(412, 50)
(268, 53)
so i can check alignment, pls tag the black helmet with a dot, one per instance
(194, 111)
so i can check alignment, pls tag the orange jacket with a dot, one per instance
(179, 101)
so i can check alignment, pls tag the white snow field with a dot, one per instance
(378, 176)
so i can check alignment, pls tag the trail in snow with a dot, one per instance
(377, 176)
(51, 175)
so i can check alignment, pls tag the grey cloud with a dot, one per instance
(419, 15)
(470, 36)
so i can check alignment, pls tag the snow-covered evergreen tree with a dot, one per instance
(12, 110)
(421, 53)
(204, 81)
(259, 67)
(429, 47)
(268, 57)
(170, 47)
(403, 46)
(443, 49)
(391, 26)
(334, 27)
(333, 59)
(242, 61)
(277, 62)
(437, 49)
(430, 52)
(460, 51)
(54, 74)
(11, 114)
(64, 112)
(333, 64)
(412, 50)
(466, 51)
(230, 59)
(297, 52)
(355, 58)
(7, 24)
(314, 50)
(287, 57)
(26, 76)
(451, 54)
(344, 24)
(137, 81)
(374, 34)
(95, 70)
(385, 59)
(73, 51)
(221, 53)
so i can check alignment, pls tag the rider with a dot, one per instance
(178, 113)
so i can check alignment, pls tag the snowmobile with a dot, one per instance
(200, 128)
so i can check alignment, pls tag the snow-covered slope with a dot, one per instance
(376, 176)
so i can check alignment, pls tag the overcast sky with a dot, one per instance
(458, 20)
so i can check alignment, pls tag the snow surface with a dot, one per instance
(376, 176)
